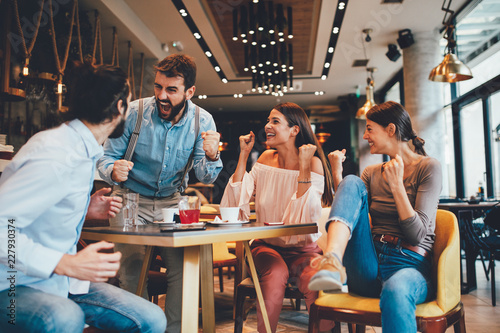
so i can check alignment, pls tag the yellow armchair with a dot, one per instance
(433, 316)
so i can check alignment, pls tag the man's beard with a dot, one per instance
(174, 109)
(119, 129)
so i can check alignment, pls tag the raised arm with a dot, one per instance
(207, 165)
(336, 159)
(307, 164)
(246, 145)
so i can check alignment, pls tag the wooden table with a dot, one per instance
(464, 210)
(197, 259)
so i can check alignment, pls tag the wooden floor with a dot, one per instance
(480, 315)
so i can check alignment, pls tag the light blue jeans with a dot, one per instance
(400, 277)
(105, 306)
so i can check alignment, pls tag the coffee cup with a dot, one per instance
(230, 214)
(168, 214)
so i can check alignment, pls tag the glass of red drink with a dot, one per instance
(189, 209)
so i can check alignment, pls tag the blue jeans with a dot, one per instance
(400, 277)
(105, 306)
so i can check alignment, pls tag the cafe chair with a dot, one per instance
(222, 258)
(434, 316)
(486, 240)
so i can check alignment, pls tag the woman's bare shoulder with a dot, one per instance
(267, 157)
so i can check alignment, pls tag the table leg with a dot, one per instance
(144, 271)
(190, 289)
(470, 252)
(239, 271)
(258, 291)
(207, 288)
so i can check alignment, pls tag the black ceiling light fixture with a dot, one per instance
(367, 32)
(337, 24)
(405, 38)
(266, 34)
(393, 53)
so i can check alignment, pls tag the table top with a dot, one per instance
(466, 205)
(150, 234)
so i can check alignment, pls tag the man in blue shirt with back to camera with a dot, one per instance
(159, 165)
(45, 285)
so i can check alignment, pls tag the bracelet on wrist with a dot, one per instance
(305, 181)
(216, 158)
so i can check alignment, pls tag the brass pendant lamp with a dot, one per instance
(361, 114)
(451, 69)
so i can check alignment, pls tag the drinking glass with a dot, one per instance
(189, 209)
(130, 209)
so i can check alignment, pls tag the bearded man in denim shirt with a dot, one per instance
(156, 170)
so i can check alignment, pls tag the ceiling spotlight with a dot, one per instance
(405, 38)
(165, 47)
(393, 54)
(368, 32)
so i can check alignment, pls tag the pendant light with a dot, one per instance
(451, 69)
(322, 135)
(361, 114)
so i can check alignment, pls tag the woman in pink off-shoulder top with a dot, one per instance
(288, 183)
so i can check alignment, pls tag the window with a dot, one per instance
(393, 94)
(475, 104)
(473, 158)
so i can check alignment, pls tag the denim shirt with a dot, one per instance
(44, 195)
(162, 151)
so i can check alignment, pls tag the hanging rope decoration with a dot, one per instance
(115, 49)
(77, 13)
(142, 75)
(97, 36)
(61, 65)
(27, 49)
(131, 69)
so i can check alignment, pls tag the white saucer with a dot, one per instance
(162, 222)
(199, 224)
(227, 224)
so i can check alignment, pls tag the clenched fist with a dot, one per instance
(394, 170)
(336, 159)
(120, 170)
(306, 153)
(210, 144)
(247, 142)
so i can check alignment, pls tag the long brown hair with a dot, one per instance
(296, 116)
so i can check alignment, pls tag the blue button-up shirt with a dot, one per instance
(162, 151)
(44, 195)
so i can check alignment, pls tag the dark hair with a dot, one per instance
(94, 92)
(296, 116)
(179, 65)
(392, 112)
